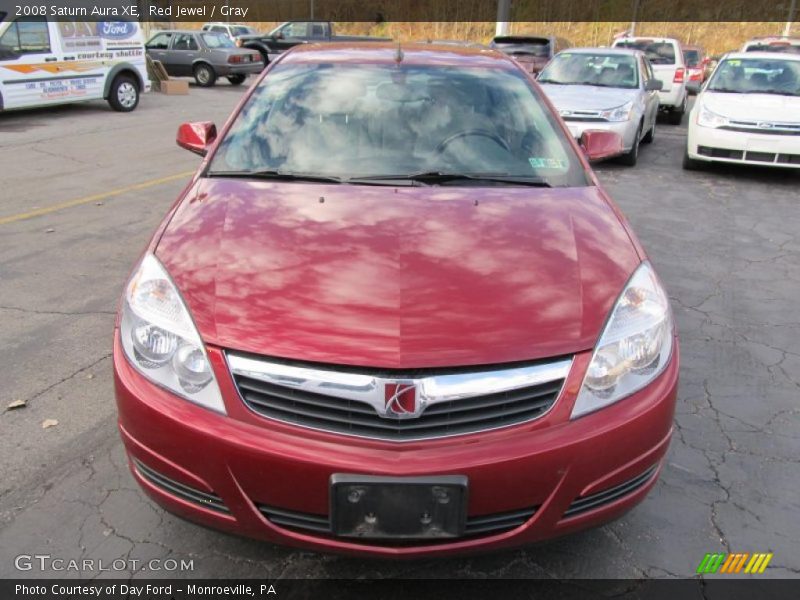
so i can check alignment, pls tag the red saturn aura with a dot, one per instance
(395, 314)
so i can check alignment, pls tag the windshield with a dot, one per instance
(659, 53)
(354, 120)
(235, 31)
(757, 76)
(692, 58)
(786, 47)
(217, 40)
(605, 70)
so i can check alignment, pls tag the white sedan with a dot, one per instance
(748, 113)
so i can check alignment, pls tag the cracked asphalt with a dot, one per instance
(724, 241)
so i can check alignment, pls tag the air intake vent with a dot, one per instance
(593, 501)
(182, 491)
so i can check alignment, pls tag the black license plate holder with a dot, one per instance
(398, 508)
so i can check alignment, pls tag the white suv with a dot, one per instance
(669, 66)
(232, 30)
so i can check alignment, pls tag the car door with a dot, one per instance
(183, 52)
(651, 96)
(31, 73)
(158, 47)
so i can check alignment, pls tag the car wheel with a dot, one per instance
(650, 135)
(237, 79)
(204, 75)
(691, 164)
(676, 116)
(124, 93)
(265, 58)
(632, 157)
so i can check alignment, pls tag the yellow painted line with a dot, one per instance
(93, 198)
(764, 564)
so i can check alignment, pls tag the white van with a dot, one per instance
(47, 62)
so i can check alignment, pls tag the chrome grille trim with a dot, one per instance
(354, 403)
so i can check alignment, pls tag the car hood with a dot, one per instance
(587, 97)
(397, 277)
(754, 107)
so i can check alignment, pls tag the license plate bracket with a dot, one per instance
(399, 508)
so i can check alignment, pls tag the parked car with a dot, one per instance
(773, 44)
(44, 62)
(696, 61)
(532, 52)
(291, 33)
(604, 88)
(232, 31)
(395, 314)
(204, 55)
(748, 113)
(666, 56)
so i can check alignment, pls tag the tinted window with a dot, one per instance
(159, 42)
(605, 70)
(299, 29)
(775, 47)
(658, 53)
(217, 40)
(755, 76)
(364, 120)
(538, 47)
(25, 37)
(692, 58)
(185, 41)
(240, 31)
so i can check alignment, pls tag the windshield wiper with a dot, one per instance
(439, 177)
(277, 175)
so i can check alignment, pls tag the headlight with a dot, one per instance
(160, 339)
(634, 347)
(706, 118)
(620, 113)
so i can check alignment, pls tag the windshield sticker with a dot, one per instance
(539, 162)
(734, 63)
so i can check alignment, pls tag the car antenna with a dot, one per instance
(398, 57)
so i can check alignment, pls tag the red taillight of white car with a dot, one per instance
(679, 75)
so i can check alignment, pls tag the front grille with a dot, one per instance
(182, 491)
(475, 526)
(397, 405)
(764, 157)
(762, 127)
(340, 415)
(602, 498)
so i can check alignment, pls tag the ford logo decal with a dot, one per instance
(116, 30)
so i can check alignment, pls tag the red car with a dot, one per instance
(395, 314)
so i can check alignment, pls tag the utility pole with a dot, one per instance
(788, 29)
(632, 30)
(503, 16)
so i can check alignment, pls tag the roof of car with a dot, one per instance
(647, 38)
(603, 50)
(386, 53)
(763, 55)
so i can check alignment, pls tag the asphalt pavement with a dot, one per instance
(82, 190)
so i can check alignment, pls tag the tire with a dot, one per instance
(204, 75)
(676, 115)
(237, 79)
(265, 58)
(691, 164)
(632, 157)
(123, 95)
(651, 134)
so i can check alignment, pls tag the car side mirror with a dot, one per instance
(653, 85)
(197, 137)
(278, 36)
(598, 144)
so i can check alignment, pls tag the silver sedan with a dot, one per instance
(203, 55)
(605, 88)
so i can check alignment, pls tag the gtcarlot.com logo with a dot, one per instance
(734, 563)
(47, 562)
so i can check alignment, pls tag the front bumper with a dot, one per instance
(625, 129)
(737, 147)
(544, 469)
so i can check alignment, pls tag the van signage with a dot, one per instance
(116, 30)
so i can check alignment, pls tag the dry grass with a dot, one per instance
(715, 37)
